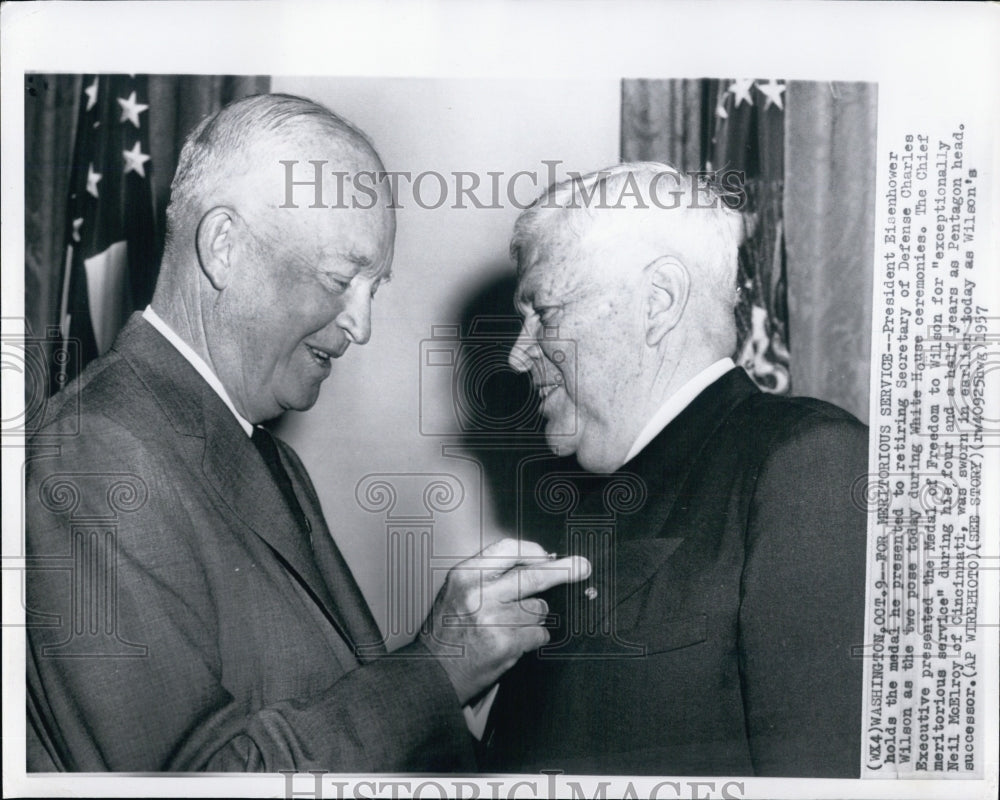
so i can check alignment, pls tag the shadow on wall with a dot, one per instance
(498, 411)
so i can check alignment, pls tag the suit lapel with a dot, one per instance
(665, 463)
(229, 461)
(636, 563)
(347, 600)
(590, 622)
(639, 548)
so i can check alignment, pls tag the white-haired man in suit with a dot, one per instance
(717, 634)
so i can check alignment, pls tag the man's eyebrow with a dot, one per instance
(364, 262)
(359, 259)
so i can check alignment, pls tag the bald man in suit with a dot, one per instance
(208, 621)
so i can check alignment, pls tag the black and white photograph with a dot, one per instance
(388, 422)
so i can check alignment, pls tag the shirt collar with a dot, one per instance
(197, 362)
(677, 402)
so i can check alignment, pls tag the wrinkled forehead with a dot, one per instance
(350, 241)
(549, 276)
(365, 241)
(556, 255)
(331, 213)
(362, 238)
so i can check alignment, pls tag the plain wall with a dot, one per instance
(367, 420)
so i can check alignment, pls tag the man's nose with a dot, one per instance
(524, 351)
(356, 318)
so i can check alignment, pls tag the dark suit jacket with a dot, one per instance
(179, 616)
(719, 641)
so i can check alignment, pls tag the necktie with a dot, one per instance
(345, 605)
(268, 450)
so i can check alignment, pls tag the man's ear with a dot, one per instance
(668, 286)
(215, 241)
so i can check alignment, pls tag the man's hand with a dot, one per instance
(485, 615)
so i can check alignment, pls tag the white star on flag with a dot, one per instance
(740, 89)
(77, 224)
(91, 92)
(772, 91)
(92, 179)
(134, 160)
(131, 109)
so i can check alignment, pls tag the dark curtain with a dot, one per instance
(829, 236)
(50, 112)
(807, 151)
(52, 103)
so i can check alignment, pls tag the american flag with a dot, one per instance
(110, 267)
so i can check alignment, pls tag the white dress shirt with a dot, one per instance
(197, 362)
(677, 402)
